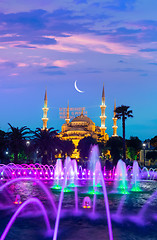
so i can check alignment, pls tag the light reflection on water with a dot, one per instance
(30, 223)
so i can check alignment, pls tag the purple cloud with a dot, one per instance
(8, 64)
(153, 63)
(23, 46)
(148, 50)
(80, 1)
(120, 5)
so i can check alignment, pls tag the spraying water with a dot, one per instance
(29, 201)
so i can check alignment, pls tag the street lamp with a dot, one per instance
(27, 144)
(144, 147)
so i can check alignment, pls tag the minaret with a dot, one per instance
(45, 109)
(114, 122)
(103, 117)
(67, 119)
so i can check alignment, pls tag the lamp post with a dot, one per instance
(27, 144)
(144, 147)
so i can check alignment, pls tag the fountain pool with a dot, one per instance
(125, 224)
(68, 202)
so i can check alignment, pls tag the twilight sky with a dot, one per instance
(55, 42)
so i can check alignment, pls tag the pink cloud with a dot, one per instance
(2, 60)
(23, 65)
(13, 74)
(60, 47)
(84, 42)
(63, 63)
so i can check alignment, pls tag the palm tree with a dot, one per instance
(122, 112)
(16, 139)
(45, 142)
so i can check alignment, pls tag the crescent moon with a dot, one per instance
(77, 87)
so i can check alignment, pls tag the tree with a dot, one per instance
(134, 145)
(115, 145)
(130, 153)
(16, 139)
(151, 155)
(122, 112)
(153, 142)
(84, 146)
(68, 147)
(45, 142)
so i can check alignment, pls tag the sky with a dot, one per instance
(54, 43)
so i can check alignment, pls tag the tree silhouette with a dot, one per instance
(115, 145)
(134, 145)
(45, 142)
(16, 139)
(122, 112)
(84, 146)
(68, 147)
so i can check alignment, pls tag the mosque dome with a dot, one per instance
(81, 119)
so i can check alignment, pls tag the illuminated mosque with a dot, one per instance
(82, 126)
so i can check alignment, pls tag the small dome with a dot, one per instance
(82, 118)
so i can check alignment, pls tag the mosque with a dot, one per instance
(82, 126)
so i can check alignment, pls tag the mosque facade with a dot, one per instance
(82, 126)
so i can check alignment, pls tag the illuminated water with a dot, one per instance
(77, 202)
(30, 223)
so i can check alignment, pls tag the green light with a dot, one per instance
(67, 190)
(57, 187)
(122, 186)
(124, 192)
(123, 189)
(93, 192)
(136, 189)
(98, 185)
(71, 185)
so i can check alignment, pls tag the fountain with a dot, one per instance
(85, 197)
(135, 177)
(29, 201)
(121, 178)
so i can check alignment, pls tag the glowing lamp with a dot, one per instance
(17, 200)
(87, 202)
